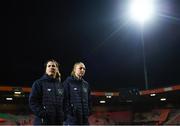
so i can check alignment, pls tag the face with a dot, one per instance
(79, 70)
(51, 69)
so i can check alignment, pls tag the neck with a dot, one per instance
(78, 77)
(53, 76)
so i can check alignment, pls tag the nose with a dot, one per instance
(83, 70)
(52, 67)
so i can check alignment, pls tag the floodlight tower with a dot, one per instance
(142, 11)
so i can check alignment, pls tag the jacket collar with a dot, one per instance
(76, 79)
(47, 77)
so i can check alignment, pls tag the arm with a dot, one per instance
(89, 100)
(35, 100)
(66, 104)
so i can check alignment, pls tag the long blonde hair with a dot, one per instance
(73, 72)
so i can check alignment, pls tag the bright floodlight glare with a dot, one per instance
(141, 10)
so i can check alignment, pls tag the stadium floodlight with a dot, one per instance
(152, 95)
(108, 96)
(9, 99)
(141, 10)
(163, 99)
(102, 101)
(17, 92)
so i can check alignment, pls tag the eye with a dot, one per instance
(82, 68)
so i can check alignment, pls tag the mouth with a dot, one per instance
(82, 73)
(52, 71)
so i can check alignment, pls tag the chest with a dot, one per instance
(78, 89)
(51, 89)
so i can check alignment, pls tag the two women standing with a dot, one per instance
(54, 102)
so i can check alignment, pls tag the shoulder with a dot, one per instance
(68, 79)
(85, 82)
(38, 83)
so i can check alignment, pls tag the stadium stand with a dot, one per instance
(159, 106)
(174, 119)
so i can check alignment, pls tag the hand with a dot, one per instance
(58, 73)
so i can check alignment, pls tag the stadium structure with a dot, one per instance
(159, 106)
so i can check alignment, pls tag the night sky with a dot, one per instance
(96, 32)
